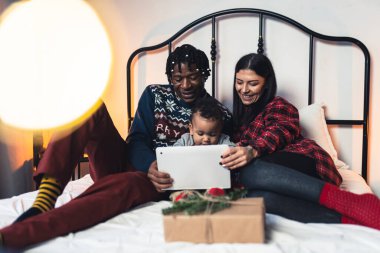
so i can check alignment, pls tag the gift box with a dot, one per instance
(243, 222)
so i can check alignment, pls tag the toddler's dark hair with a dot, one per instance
(208, 108)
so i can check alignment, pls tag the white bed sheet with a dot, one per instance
(141, 230)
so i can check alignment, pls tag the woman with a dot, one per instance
(296, 177)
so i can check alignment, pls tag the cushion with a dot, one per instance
(353, 182)
(313, 126)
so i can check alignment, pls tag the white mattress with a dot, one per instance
(141, 230)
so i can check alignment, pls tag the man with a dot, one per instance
(164, 111)
(125, 174)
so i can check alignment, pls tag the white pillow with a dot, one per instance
(313, 126)
(353, 182)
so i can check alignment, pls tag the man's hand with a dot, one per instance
(160, 180)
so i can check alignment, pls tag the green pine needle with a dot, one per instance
(195, 204)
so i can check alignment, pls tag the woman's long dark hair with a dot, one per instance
(263, 67)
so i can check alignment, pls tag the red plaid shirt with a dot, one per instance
(277, 128)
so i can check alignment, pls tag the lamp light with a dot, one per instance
(55, 60)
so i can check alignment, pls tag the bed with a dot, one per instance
(141, 229)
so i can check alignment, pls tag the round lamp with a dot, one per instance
(55, 60)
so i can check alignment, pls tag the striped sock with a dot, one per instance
(47, 195)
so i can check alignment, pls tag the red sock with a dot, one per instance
(365, 208)
(347, 220)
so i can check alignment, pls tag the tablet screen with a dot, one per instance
(194, 167)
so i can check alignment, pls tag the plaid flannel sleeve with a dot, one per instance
(281, 127)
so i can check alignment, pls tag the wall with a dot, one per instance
(16, 165)
(136, 23)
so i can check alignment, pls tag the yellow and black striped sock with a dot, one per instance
(47, 195)
(49, 191)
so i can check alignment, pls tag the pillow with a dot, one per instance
(313, 126)
(353, 182)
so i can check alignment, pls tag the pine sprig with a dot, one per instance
(237, 193)
(191, 203)
(176, 208)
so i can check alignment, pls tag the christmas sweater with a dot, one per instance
(161, 119)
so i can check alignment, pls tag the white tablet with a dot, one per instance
(194, 167)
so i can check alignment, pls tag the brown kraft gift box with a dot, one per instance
(243, 222)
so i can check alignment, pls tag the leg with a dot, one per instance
(298, 162)
(261, 175)
(106, 198)
(106, 151)
(362, 209)
(289, 206)
(98, 137)
(296, 209)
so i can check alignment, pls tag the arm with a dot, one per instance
(279, 128)
(141, 135)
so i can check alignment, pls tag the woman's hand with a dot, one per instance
(160, 180)
(236, 157)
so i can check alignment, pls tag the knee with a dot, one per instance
(254, 174)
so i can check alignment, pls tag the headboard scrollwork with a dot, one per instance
(261, 43)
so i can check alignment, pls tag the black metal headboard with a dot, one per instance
(312, 36)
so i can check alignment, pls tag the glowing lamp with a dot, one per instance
(55, 60)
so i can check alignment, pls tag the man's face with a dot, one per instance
(188, 83)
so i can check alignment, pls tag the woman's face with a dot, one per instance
(188, 83)
(249, 86)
